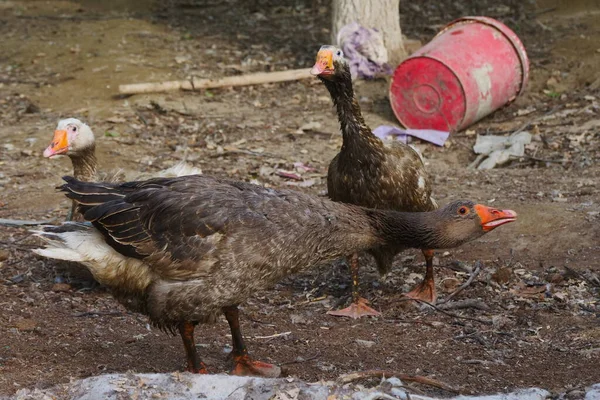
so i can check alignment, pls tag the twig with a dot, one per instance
(316, 299)
(99, 313)
(302, 360)
(273, 336)
(245, 152)
(535, 119)
(236, 389)
(379, 373)
(483, 321)
(467, 303)
(474, 274)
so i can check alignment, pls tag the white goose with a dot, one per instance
(75, 139)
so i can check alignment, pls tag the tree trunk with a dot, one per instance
(383, 15)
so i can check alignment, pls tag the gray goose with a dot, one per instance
(185, 250)
(372, 173)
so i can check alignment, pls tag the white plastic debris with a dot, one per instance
(593, 392)
(500, 149)
(220, 387)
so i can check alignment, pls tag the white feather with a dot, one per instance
(87, 246)
(180, 169)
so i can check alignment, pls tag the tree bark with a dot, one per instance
(383, 15)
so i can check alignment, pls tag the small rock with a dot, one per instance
(365, 343)
(502, 276)
(61, 287)
(298, 319)
(26, 325)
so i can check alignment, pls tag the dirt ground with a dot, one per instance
(538, 320)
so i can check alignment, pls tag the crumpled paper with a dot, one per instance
(429, 135)
(364, 49)
(500, 149)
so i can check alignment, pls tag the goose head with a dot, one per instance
(71, 137)
(331, 64)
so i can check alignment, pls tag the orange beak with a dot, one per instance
(324, 64)
(59, 145)
(492, 217)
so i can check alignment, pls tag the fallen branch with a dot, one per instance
(474, 274)
(198, 84)
(380, 373)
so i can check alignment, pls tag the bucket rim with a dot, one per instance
(507, 33)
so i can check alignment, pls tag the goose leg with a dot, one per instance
(359, 307)
(426, 290)
(243, 364)
(194, 364)
(71, 211)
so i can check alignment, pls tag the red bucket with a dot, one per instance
(474, 66)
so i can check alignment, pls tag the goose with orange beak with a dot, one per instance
(75, 139)
(386, 175)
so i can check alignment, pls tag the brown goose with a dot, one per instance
(76, 140)
(371, 173)
(184, 250)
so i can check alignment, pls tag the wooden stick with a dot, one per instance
(378, 373)
(197, 84)
(462, 287)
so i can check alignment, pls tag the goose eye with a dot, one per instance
(338, 53)
(462, 210)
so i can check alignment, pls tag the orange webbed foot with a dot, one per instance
(200, 369)
(424, 291)
(245, 366)
(356, 310)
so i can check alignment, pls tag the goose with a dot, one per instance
(185, 250)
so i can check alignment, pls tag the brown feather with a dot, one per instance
(369, 172)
